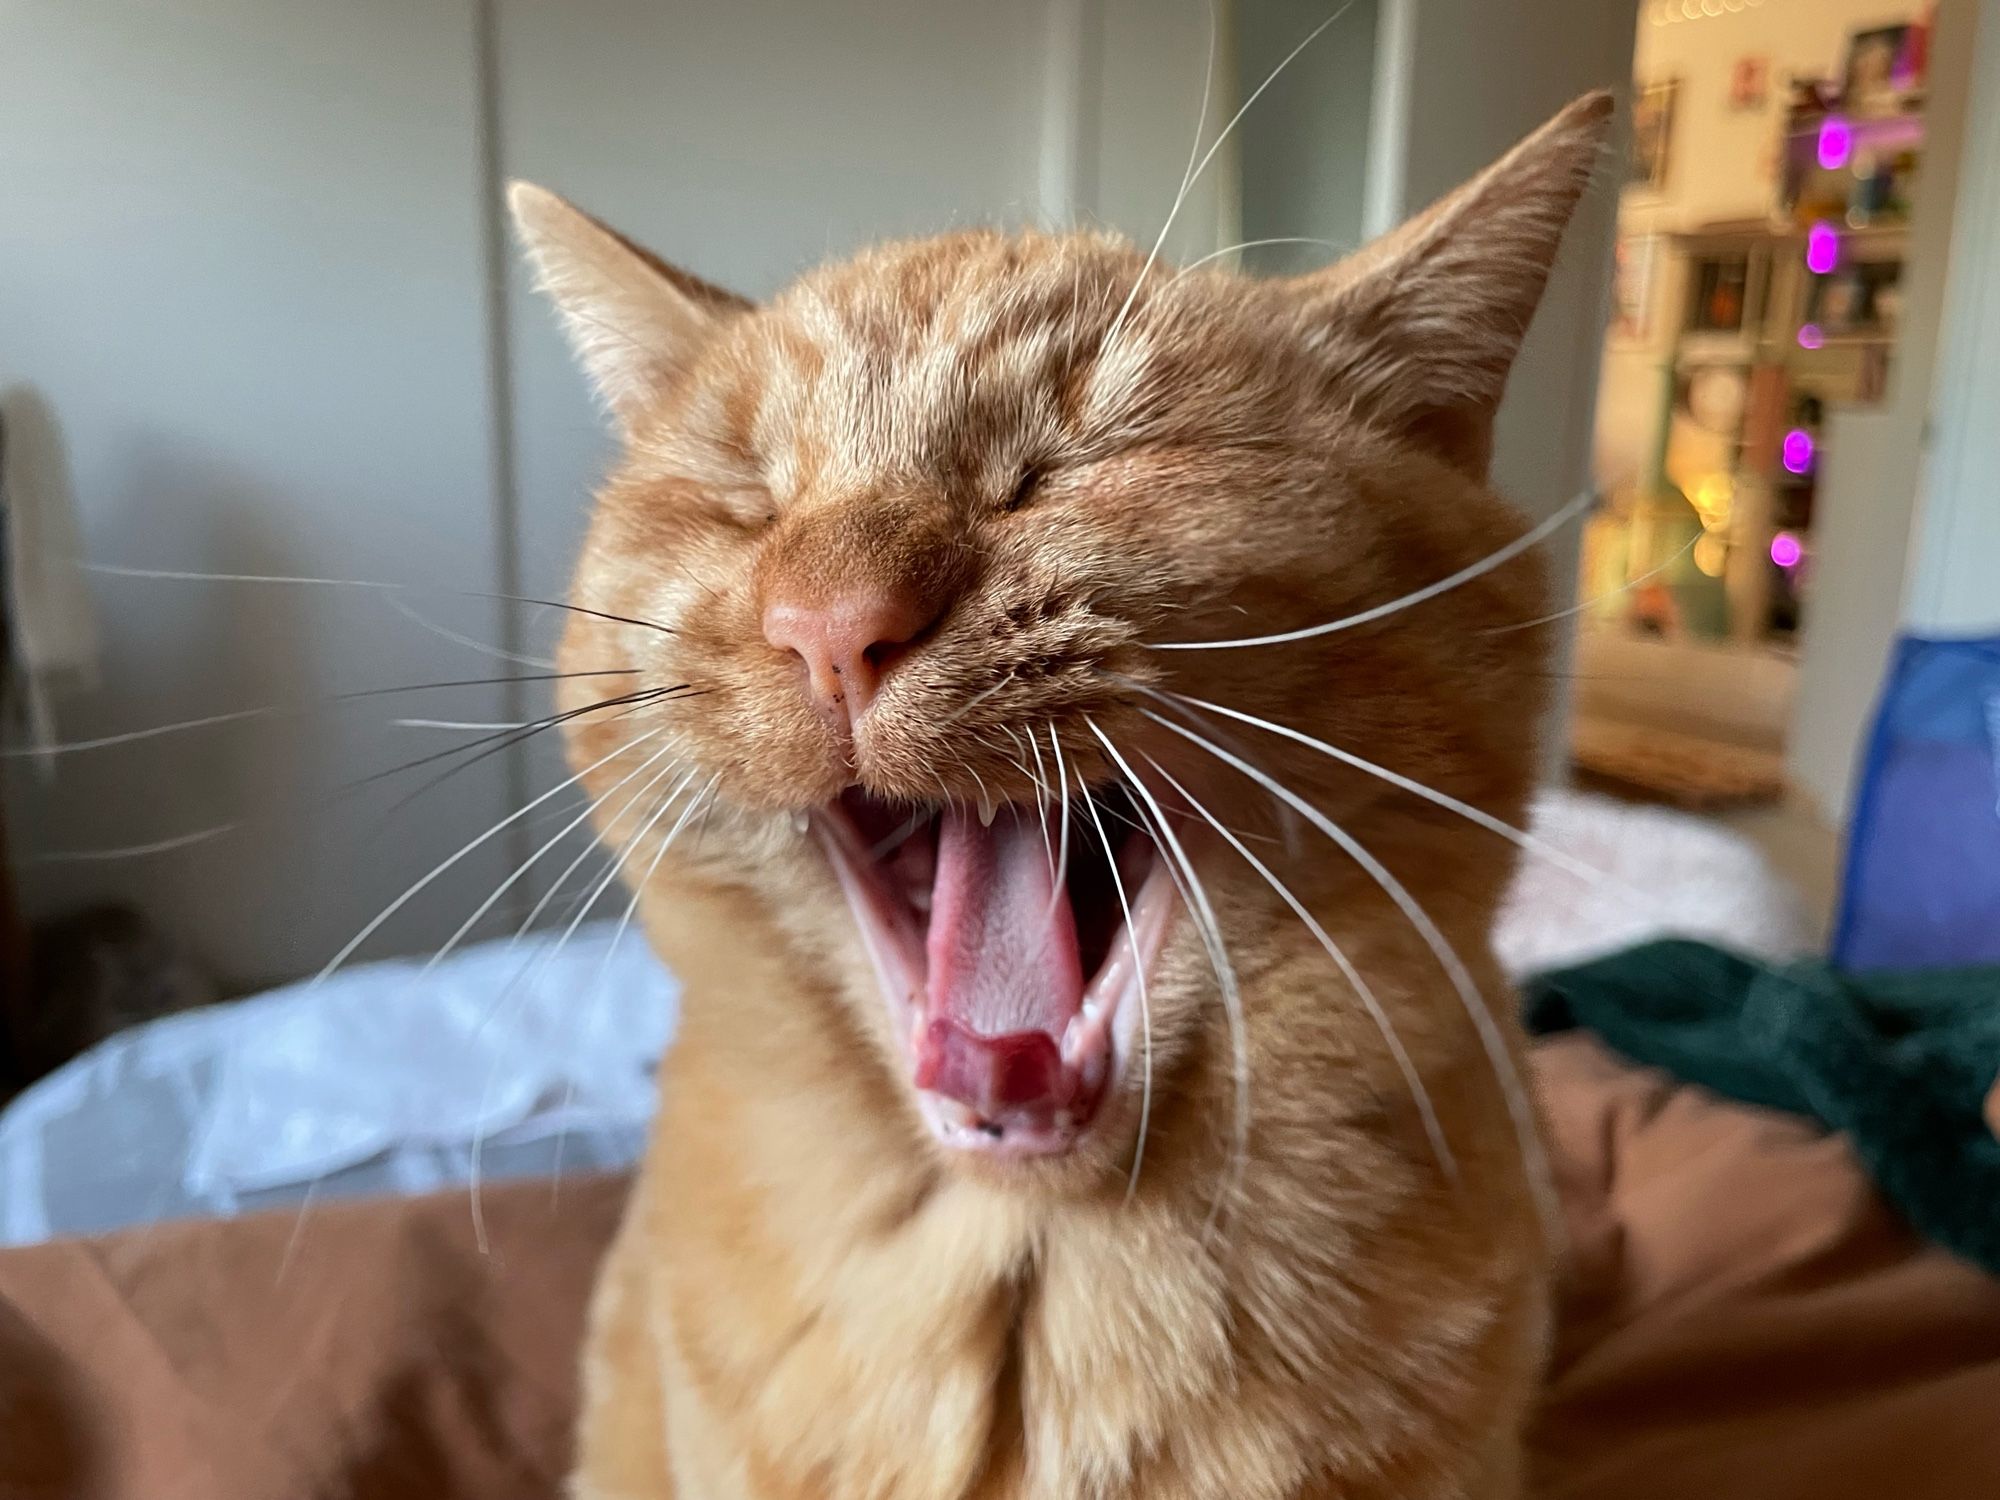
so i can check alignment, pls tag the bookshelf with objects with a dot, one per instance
(1773, 321)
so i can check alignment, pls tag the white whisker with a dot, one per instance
(1533, 536)
(1241, 245)
(897, 839)
(1145, 1000)
(1210, 930)
(570, 869)
(1540, 848)
(401, 901)
(234, 716)
(1042, 801)
(1062, 852)
(1188, 174)
(1408, 1068)
(463, 724)
(1519, 1108)
(973, 702)
(533, 859)
(132, 851)
(424, 622)
(548, 957)
(596, 1007)
(185, 575)
(1188, 182)
(1597, 599)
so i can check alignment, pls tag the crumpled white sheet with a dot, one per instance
(383, 1077)
(500, 1042)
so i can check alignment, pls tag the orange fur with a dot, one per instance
(810, 1296)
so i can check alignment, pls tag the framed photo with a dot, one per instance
(1878, 67)
(1653, 132)
(1635, 263)
(1750, 82)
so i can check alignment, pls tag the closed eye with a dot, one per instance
(1024, 488)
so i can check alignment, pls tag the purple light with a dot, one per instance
(1785, 550)
(1822, 248)
(1810, 336)
(1836, 142)
(1798, 450)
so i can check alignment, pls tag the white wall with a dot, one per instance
(256, 316)
(246, 325)
(1291, 184)
(1482, 74)
(1876, 567)
(241, 327)
(1955, 574)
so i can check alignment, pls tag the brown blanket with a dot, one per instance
(1742, 1320)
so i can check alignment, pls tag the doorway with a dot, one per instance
(1764, 231)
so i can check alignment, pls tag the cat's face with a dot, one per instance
(910, 540)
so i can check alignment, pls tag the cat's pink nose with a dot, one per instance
(848, 644)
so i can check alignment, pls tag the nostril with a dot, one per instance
(849, 643)
(882, 655)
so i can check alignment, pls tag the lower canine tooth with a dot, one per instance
(800, 823)
(1072, 1041)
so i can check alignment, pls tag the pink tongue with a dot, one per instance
(1005, 979)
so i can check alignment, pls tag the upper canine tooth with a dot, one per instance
(985, 813)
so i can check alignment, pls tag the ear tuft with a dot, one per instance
(633, 321)
(1421, 328)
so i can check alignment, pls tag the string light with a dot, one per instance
(1670, 13)
(1797, 450)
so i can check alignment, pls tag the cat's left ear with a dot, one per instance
(1421, 327)
(634, 321)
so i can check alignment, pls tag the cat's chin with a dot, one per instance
(1013, 962)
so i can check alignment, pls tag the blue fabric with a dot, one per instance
(1922, 887)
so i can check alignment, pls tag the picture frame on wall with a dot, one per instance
(1750, 82)
(1878, 67)
(1636, 259)
(1653, 132)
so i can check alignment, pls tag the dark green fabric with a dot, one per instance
(1901, 1063)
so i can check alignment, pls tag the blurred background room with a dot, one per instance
(296, 905)
(291, 448)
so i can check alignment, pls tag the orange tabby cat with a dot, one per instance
(1072, 1097)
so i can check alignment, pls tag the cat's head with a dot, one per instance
(901, 563)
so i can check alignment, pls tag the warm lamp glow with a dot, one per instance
(1810, 336)
(1711, 496)
(1785, 550)
(1711, 555)
(1822, 248)
(1836, 142)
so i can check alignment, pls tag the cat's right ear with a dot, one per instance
(633, 320)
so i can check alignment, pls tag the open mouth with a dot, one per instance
(1005, 954)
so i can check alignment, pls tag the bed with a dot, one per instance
(337, 1242)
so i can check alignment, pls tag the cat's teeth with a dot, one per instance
(800, 823)
(1072, 1041)
(985, 813)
